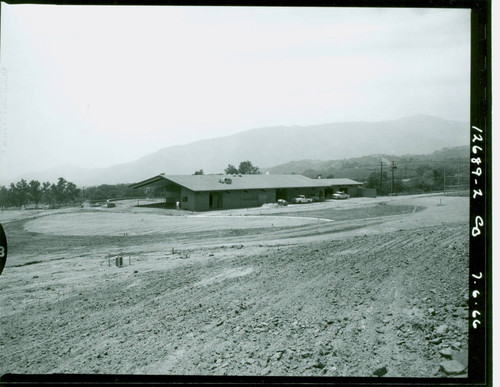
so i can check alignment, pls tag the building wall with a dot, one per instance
(248, 198)
(193, 201)
(352, 190)
(231, 199)
(271, 196)
(187, 199)
(201, 201)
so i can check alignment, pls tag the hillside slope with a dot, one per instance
(361, 167)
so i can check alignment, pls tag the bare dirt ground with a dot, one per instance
(336, 288)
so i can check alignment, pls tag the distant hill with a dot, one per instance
(359, 168)
(278, 145)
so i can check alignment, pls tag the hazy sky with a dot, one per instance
(97, 86)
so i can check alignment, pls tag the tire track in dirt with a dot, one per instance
(305, 310)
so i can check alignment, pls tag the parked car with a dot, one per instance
(340, 195)
(302, 199)
(282, 202)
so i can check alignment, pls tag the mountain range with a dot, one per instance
(272, 146)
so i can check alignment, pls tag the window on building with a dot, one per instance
(184, 199)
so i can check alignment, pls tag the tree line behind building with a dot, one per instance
(34, 194)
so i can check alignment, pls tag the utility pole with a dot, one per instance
(393, 167)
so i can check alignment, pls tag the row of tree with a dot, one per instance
(63, 192)
(35, 193)
(104, 192)
(245, 168)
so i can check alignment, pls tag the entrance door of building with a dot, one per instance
(215, 200)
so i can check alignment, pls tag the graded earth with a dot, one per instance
(359, 287)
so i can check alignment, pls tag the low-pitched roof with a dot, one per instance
(340, 181)
(239, 182)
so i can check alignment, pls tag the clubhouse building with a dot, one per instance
(210, 192)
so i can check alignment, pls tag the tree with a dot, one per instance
(374, 182)
(5, 197)
(432, 180)
(21, 192)
(200, 172)
(421, 169)
(14, 199)
(70, 192)
(35, 192)
(231, 170)
(46, 193)
(58, 191)
(247, 168)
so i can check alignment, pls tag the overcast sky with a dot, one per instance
(97, 86)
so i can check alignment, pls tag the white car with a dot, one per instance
(340, 195)
(302, 199)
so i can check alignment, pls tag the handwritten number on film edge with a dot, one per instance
(476, 148)
(478, 221)
(477, 192)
